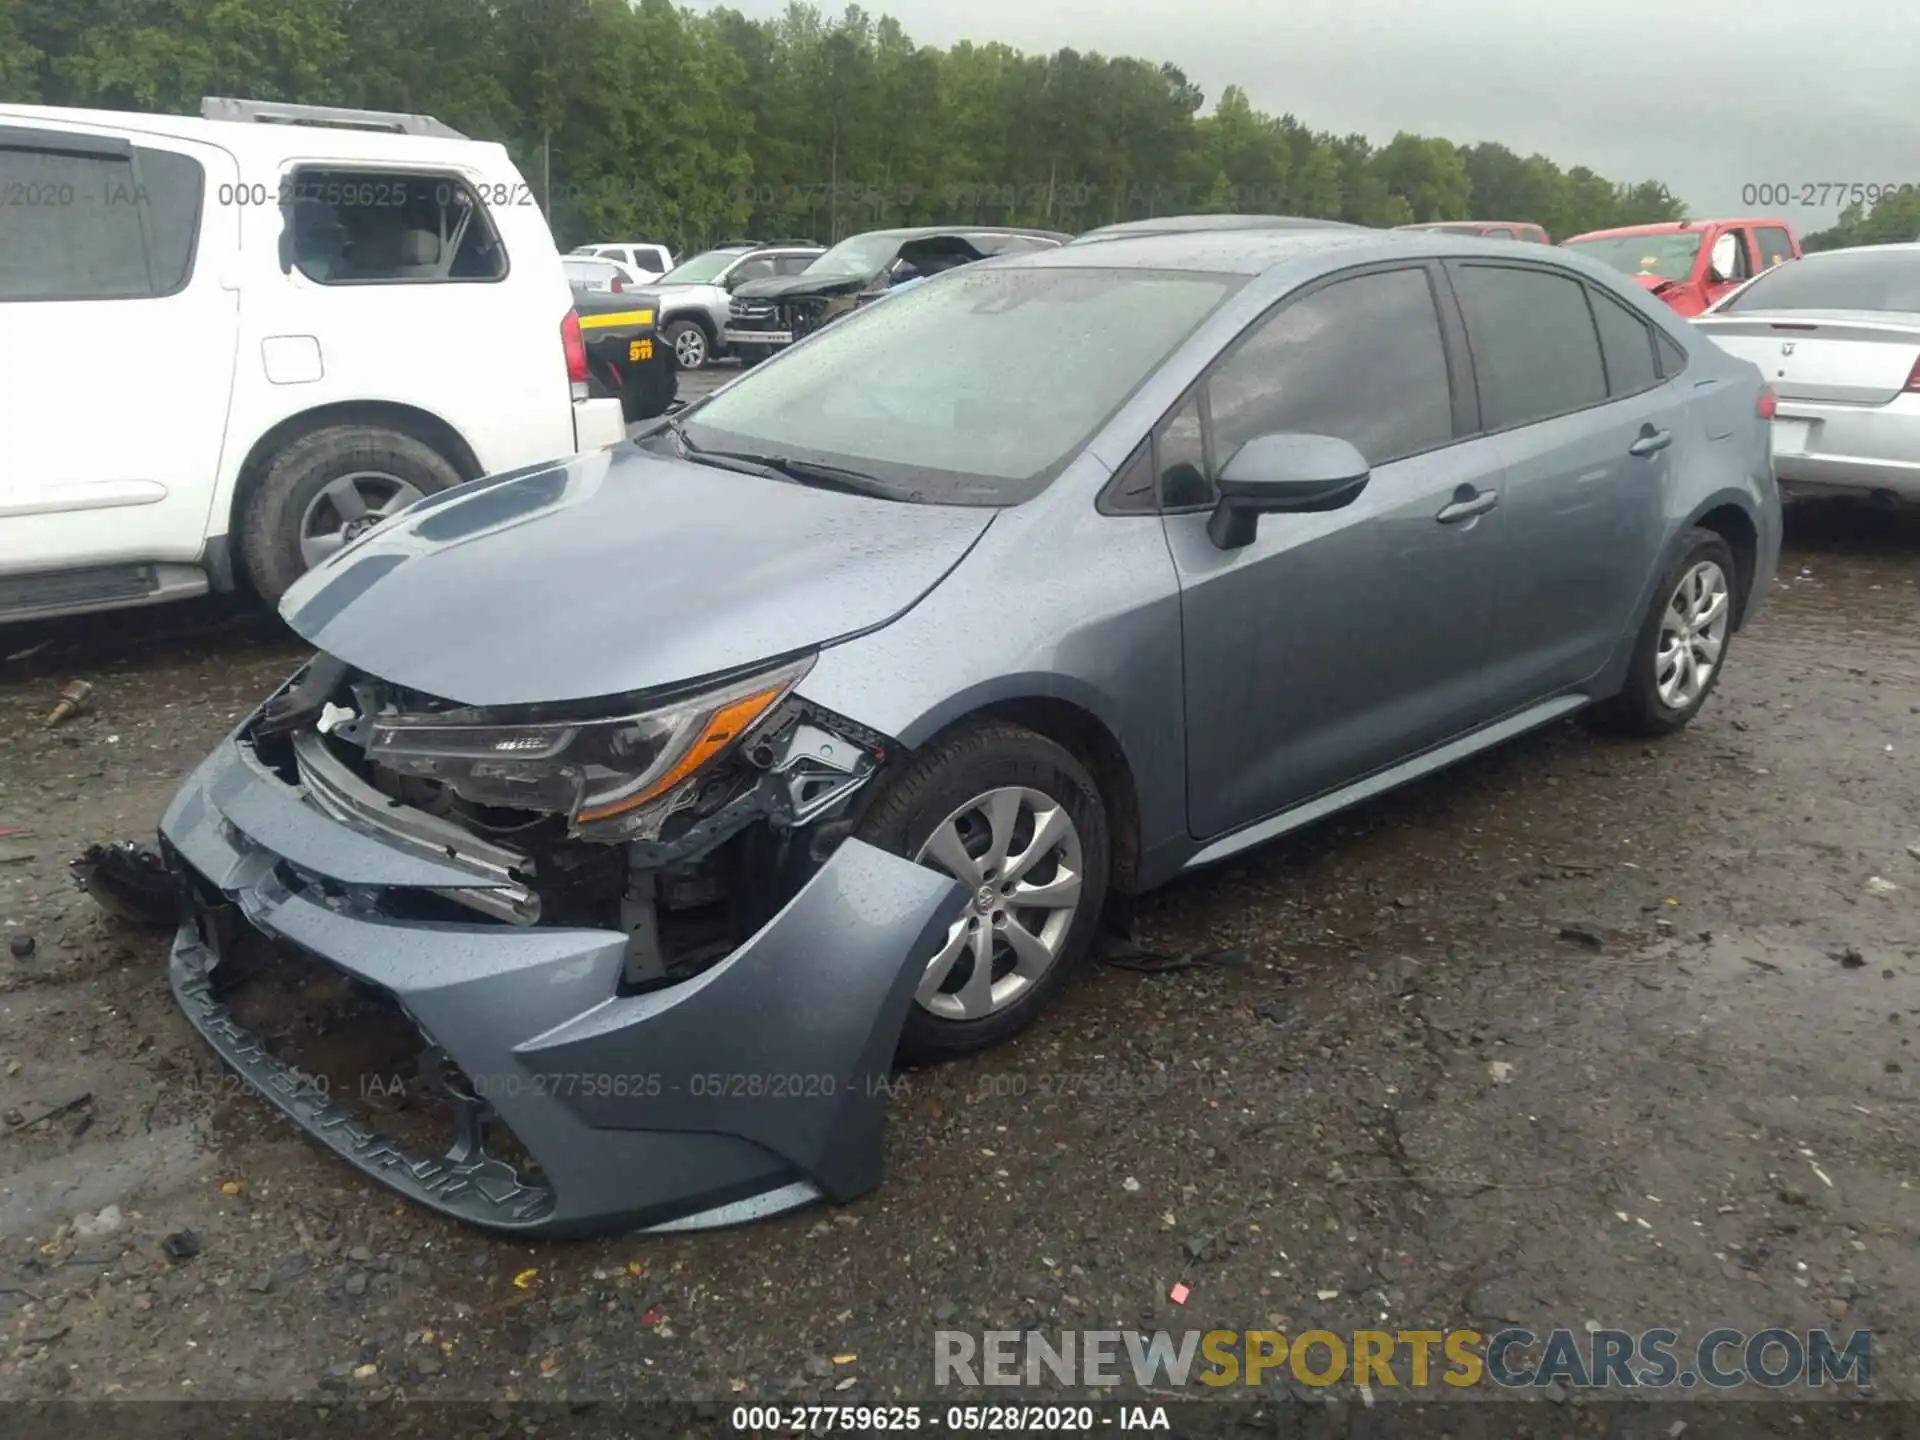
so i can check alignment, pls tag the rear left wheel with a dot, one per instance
(1682, 646)
(1020, 824)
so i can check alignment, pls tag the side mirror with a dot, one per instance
(1283, 474)
(1720, 264)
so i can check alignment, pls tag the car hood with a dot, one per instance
(615, 572)
(779, 287)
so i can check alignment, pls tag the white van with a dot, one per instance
(231, 343)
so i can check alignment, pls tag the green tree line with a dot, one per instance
(645, 120)
(1891, 220)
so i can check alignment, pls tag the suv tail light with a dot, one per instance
(1767, 403)
(1912, 387)
(575, 346)
(616, 284)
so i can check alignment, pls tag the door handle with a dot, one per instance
(1469, 506)
(1651, 442)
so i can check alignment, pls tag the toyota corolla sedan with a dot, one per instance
(655, 802)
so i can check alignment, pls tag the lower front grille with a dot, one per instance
(344, 1061)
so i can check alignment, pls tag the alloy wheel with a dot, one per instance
(690, 348)
(1693, 635)
(1018, 853)
(347, 507)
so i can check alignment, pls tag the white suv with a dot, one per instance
(641, 260)
(229, 345)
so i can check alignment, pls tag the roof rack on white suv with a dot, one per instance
(272, 112)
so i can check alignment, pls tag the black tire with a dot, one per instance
(678, 332)
(1638, 708)
(951, 771)
(270, 523)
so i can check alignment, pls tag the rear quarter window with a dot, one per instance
(1626, 345)
(384, 227)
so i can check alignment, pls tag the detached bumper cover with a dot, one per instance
(755, 1087)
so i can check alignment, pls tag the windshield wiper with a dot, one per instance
(801, 472)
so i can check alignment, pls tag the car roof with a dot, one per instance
(927, 232)
(1678, 227)
(266, 143)
(1195, 224)
(1226, 252)
(1466, 224)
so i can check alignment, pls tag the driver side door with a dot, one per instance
(1337, 643)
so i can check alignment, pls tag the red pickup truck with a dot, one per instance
(1690, 264)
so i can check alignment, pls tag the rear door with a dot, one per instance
(1336, 643)
(117, 338)
(1570, 387)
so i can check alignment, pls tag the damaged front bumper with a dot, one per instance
(757, 1086)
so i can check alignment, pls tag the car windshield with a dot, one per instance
(702, 269)
(860, 255)
(974, 390)
(1880, 279)
(1669, 256)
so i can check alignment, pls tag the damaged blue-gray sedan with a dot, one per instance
(655, 803)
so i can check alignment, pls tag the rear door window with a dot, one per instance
(383, 227)
(1536, 353)
(83, 219)
(1497, 232)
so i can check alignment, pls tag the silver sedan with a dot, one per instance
(1837, 336)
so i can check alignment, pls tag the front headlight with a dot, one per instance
(599, 773)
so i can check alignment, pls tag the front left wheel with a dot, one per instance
(1019, 822)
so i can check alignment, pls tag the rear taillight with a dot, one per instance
(617, 285)
(575, 346)
(1912, 387)
(1765, 408)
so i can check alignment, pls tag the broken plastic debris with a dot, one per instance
(525, 1278)
(1877, 885)
(1178, 1294)
(1822, 1174)
(1326, 1294)
(1130, 1185)
(846, 1359)
(1500, 1070)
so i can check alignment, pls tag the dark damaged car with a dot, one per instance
(765, 316)
(650, 805)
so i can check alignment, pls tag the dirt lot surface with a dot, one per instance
(1586, 1031)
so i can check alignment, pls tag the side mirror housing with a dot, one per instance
(1283, 474)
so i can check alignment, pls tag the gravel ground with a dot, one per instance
(1582, 1031)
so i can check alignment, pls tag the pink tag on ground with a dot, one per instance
(1178, 1294)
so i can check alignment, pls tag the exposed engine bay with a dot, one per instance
(683, 821)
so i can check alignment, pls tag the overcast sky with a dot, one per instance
(1709, 98)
